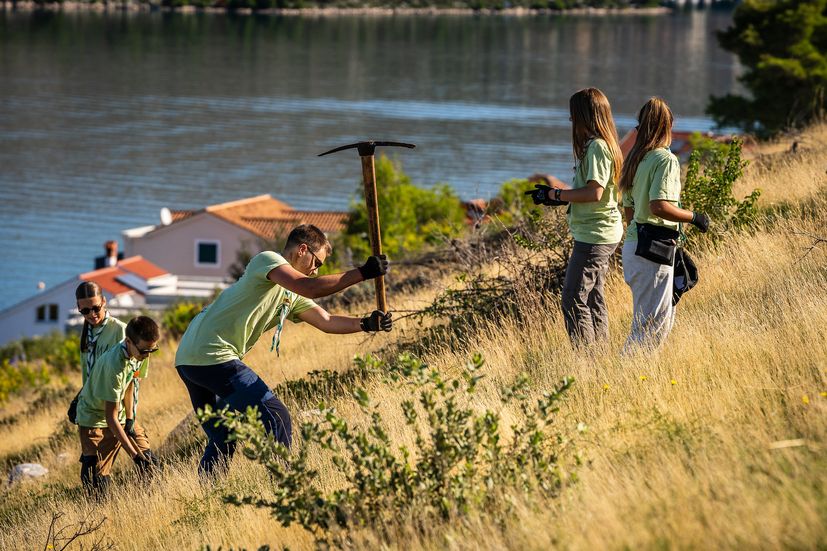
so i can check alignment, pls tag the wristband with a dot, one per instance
(362, 325)
(557, 194)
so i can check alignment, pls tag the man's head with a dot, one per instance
(307, 248)
(142, 336)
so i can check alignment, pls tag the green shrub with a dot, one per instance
(20, 376)
(59, 351)
(178, 316)
(410, 217)
(463, 459)
(712, 171)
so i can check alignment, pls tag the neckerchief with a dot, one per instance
(92, 342)
(284, 309)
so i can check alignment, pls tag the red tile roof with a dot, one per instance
(141, 267)
(267, 217)
(107, 278)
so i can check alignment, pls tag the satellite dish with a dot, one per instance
(166, 217)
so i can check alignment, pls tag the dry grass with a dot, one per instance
(680, 443)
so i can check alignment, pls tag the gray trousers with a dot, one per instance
(584, 307)
(653, 313)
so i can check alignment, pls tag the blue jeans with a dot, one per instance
(235, 385)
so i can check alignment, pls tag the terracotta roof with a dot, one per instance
(107, 278)
(680, 141)
(267, 217)
(141, 267)
(279, 226)
(178, 215)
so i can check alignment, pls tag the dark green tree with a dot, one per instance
(783, 46)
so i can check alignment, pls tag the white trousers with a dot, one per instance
(653, 314)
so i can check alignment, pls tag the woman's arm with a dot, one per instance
(669, 211)
(589, 194)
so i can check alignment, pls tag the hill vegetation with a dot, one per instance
(715, 440)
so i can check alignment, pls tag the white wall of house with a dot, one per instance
(41, 314)
(175, 247)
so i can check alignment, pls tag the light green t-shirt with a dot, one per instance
(229, 327)
(658, 177)
(107, 382)
(596, 222)
(103, 337)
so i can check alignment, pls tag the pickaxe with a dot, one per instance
(366, 150)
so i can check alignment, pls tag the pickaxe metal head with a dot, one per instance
(366, 149)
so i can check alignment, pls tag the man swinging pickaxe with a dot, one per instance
(366, 151)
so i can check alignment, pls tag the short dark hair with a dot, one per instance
(142, 328)
(310, 235)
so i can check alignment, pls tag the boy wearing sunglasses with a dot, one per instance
(274, 288)
(101, 418)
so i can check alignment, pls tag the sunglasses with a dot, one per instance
(87, 311)
(147, 351)
(317, 263)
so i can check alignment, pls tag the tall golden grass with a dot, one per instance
(716, 440)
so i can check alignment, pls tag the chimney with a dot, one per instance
(111, 257)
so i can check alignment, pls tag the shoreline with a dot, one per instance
(7, 6)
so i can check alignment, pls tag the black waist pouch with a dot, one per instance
(656, 243)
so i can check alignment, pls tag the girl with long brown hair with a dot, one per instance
(593, 215)
(651, 188)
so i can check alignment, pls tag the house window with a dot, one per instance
(46, 313)
(207, 253)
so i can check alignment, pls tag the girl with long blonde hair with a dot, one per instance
(651, 187)
(593, 215)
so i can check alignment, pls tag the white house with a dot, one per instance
(205, 243)
(132, 285)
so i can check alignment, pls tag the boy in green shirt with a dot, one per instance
(100, 415)
(275, 287)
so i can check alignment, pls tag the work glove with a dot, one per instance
(374, 267)
(543, 195)
(700, 221)
(377, 321)
(143, 464)
(129, 428)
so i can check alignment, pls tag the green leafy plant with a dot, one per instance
(462, 459)
(178, 316)
(710, 176)
(411, 217)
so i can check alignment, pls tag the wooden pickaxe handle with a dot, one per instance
(375, 234)
(366, 151)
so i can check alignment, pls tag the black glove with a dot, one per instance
(700, 221)
(542, 195)
(143, 464)
(129, 428)
(377, 321)
(374, 267)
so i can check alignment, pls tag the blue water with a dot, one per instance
(104, 120)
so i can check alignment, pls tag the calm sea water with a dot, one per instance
(106, 119)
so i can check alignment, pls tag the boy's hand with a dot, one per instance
(129, 428)
(374, 267)
(142, 462)
(377, 321)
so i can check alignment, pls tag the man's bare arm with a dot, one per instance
(322, 320)
(313, 287)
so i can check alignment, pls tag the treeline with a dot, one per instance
(257, 5)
